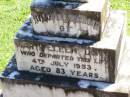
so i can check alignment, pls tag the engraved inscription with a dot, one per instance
(63, 60)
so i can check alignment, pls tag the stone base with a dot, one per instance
(70, 57)
(24, 84)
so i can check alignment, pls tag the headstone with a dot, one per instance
(69, 48)
(73, 58)
(70, 19)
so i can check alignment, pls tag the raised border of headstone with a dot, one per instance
(73, 58)
(70, 19)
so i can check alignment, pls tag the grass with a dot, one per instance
(12, 16)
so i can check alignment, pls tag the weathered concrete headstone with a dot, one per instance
(70, 19)
(62, 57)
(68, 48)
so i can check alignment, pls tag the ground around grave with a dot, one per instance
(14, 12)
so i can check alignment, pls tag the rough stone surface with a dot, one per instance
(78, 58)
